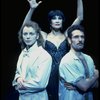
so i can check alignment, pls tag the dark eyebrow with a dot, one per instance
(78, 36)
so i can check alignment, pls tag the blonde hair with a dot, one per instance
(37, 29)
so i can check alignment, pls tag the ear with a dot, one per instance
(69, 40)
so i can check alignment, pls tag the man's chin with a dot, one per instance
(79, 49)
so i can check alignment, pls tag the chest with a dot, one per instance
(81, 67)
(56, 40)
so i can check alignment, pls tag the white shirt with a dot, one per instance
(35, 66)
(72, 70)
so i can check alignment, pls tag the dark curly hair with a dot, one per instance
(74, 27)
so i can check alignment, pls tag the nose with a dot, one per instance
(28, 36)
(57, 20)
(80, 38)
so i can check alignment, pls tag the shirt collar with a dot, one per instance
(73, 55)
(32, 48)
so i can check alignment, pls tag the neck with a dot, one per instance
(58, 32)
(27, 47)
(77, 53)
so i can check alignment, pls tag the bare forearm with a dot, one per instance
(79, 17)
(29, 15)
(85, 84)
(80, 9)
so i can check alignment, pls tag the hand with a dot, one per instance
(96, 73)
(69, 86)
(20, 82)
(33, 3)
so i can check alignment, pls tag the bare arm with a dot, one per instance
(79, 18)
(33, 5)
(96, 84)
(85, 84)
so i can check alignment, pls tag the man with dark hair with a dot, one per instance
(78, 74)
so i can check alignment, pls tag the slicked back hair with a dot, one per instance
(74, 27)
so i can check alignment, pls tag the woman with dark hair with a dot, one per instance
(33, 66)
(55, 42)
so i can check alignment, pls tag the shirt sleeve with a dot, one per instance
(18, 70)
(70, 73)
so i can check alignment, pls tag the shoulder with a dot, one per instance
(22, 52)
(65, 62)
(44, 53)
(44, 35)
(67, 58)
(89, 59)
(87, 56)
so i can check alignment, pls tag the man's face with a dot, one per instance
(77, 40)
(29, 36)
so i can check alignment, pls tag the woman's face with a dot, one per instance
(29, 36)
(56, 22)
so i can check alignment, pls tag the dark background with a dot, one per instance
(12, 16)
